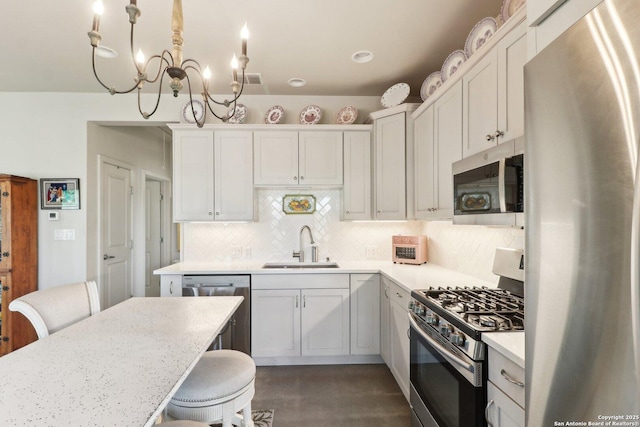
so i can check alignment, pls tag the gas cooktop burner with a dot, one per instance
(481, 308)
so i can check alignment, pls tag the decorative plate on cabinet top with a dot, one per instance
(347, 115)
(188, 112)
(274, 115)
(395, 95)
(239, 116)
(499, 20)
(310, 115)
(452, 64)
(479, 35)
(430, 85)
(510, 7)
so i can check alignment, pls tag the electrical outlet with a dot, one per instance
(371, 252)
(247, 252)
(236, 252)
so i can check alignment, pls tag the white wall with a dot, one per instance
(45, 135)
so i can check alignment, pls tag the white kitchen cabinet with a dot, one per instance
(300, 315)
(212, 175)
(393, 171)
(193, 163)
(438, 143)
(385, 322)
(275, 322)
(171, 285)
(356, 194)
(493, 94)
(502, 411)
(399, 338)
(505, 391)
(294, 158)
(233, 177)
(365, 313)
(325, 322)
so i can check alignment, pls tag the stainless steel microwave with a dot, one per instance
(488, 187)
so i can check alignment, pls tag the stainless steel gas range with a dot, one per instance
(448, 366)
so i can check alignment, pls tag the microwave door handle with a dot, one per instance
(443, 351)
(501, 188)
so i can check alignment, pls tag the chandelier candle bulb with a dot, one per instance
(98, 9)
(234, 68)
(244, 33)
(140, 57)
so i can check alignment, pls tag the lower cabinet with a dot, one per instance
(302, 321)
(171, 285)
(501, 410)
(398, 336)
(365, 314)
(505, 392)
(385, 333)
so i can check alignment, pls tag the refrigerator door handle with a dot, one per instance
(501, 190)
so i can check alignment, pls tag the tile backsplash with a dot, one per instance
(275, 235)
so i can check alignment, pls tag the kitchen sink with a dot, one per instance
(301, 265)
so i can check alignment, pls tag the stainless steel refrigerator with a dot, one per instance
(582, 207)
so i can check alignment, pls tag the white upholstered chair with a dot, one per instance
(50, 310)
(221, 384)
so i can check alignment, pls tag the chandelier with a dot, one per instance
(170, 63)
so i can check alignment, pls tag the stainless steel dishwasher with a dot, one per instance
(237, 334)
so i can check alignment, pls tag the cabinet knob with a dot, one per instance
(301, 178)
(210, 213)
(5, 254)
(217, 213)
(5, 288)
(295, 178)
(348, 213)
(499, 133)
(490, 137)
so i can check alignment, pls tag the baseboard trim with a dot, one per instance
(318, 360)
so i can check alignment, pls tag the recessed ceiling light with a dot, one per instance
(296, 82)
(106, 52)
(362, 56)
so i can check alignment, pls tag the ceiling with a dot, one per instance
(49, 49)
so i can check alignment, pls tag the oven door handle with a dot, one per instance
(443, 351)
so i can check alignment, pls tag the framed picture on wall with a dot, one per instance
(60, 193)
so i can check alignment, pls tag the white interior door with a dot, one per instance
(116, 233)
(153, 236)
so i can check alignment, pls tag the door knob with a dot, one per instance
(106, 257)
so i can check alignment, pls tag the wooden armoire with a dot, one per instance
(18, 257)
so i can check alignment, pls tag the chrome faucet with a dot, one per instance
(300, 254)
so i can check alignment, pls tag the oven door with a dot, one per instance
(446, 386)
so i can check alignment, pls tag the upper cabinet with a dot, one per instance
(356, 194)
(393, 147)
(298, 158)
(212, 175)
(438, 143)
(493, 94)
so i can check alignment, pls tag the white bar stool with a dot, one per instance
(221, 384)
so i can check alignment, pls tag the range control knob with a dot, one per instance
(411, 305)
(419, 309)
(432, 319)
(458, 339)
(446, 330)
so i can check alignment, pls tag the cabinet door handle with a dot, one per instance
(171, 287)
(486, 413)
(398, 295)
(106, 257)
(304, 301)
(297, 301)
(509, 378)
(490, 137)
(499, 133)
(386, 288)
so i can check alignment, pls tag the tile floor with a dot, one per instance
(332, 395)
